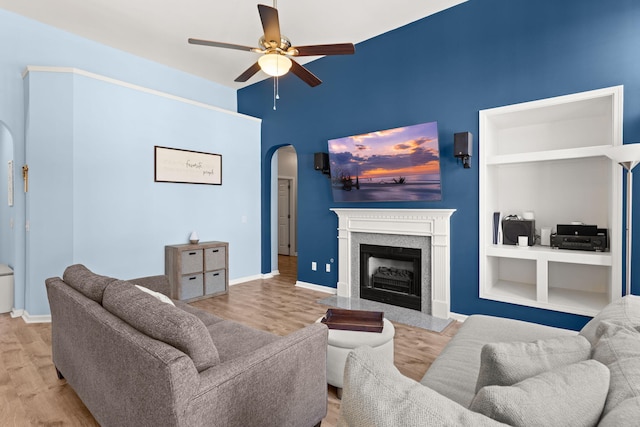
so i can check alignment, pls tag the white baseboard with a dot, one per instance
(246, 279)
(274, 273)
(16, 312)
(458, 317)
(315, 287)
(41, 318)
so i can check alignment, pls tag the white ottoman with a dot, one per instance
(341, 342)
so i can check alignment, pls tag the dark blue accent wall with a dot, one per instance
(445, 68)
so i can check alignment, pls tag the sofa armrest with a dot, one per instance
(158, 283)
(376, 393)
(282, 383)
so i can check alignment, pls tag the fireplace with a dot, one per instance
(391, 275)
(427, 229)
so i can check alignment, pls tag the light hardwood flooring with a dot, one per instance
(31, 394)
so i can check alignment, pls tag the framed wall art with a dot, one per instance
(186, 166)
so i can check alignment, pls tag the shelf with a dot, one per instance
(513, 292)
(576, 106)
(563, 300)
(550, 255)
(550, 155)
(578, 302)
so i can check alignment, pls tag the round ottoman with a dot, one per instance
(341, 342)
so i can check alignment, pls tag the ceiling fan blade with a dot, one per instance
(270, 23)
(326, 49)
(219, 44)
(248, 73)
(305, 75)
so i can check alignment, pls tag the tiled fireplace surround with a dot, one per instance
(427, 229)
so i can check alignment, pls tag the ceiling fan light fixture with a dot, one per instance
(274, 60)
(274, 64)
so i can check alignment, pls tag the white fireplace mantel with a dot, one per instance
(433, 223)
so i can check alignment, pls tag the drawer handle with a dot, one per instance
(215, 250)
(192, 278)
(217, 274)
(192, 253)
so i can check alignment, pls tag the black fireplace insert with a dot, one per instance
(391, 275)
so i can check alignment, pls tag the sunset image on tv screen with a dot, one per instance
(401, 164)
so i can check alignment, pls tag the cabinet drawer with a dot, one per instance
(214, 282)
(215, 258)
(191, 261)
(191, 286)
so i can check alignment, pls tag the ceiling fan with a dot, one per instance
(277, 50)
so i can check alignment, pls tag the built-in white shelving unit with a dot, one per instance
(547, 156)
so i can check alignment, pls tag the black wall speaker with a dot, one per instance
(462, 144)
(512, 228)
(321, 162)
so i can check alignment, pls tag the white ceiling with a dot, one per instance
(158, 29)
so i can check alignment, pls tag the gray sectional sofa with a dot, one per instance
(499, 371)
(136, 358)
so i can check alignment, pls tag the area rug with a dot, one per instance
(391, 312)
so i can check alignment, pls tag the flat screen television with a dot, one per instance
(393, 165)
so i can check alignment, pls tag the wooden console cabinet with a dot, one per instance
(197, 271)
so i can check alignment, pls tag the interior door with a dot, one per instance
(284, 217)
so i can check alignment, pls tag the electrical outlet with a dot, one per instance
(328, 268)
(314, 265)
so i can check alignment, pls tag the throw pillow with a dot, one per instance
(619, 349)
(375, 393)
(162, 322)
(625, 414)
(160, 297)
(507, 363)
(572, 395)
(623, 311)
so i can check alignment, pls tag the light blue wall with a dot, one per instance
(92, 197)
(112, 216)
(49, 200)
(27, 42)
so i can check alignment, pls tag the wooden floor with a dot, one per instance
(31, 394)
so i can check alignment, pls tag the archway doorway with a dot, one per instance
(285, 209)
(7, 221)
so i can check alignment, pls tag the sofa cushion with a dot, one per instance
(455, 372)
(376, 394)
(571, 395)
(619, 349)
(159, 283)
(161, 321)
(625, 414)
(86, 282)
(623, 311)
(157, 295)
(233, 339)
(507, 363)
(206, 317)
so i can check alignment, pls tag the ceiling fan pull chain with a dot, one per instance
(274, 92)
